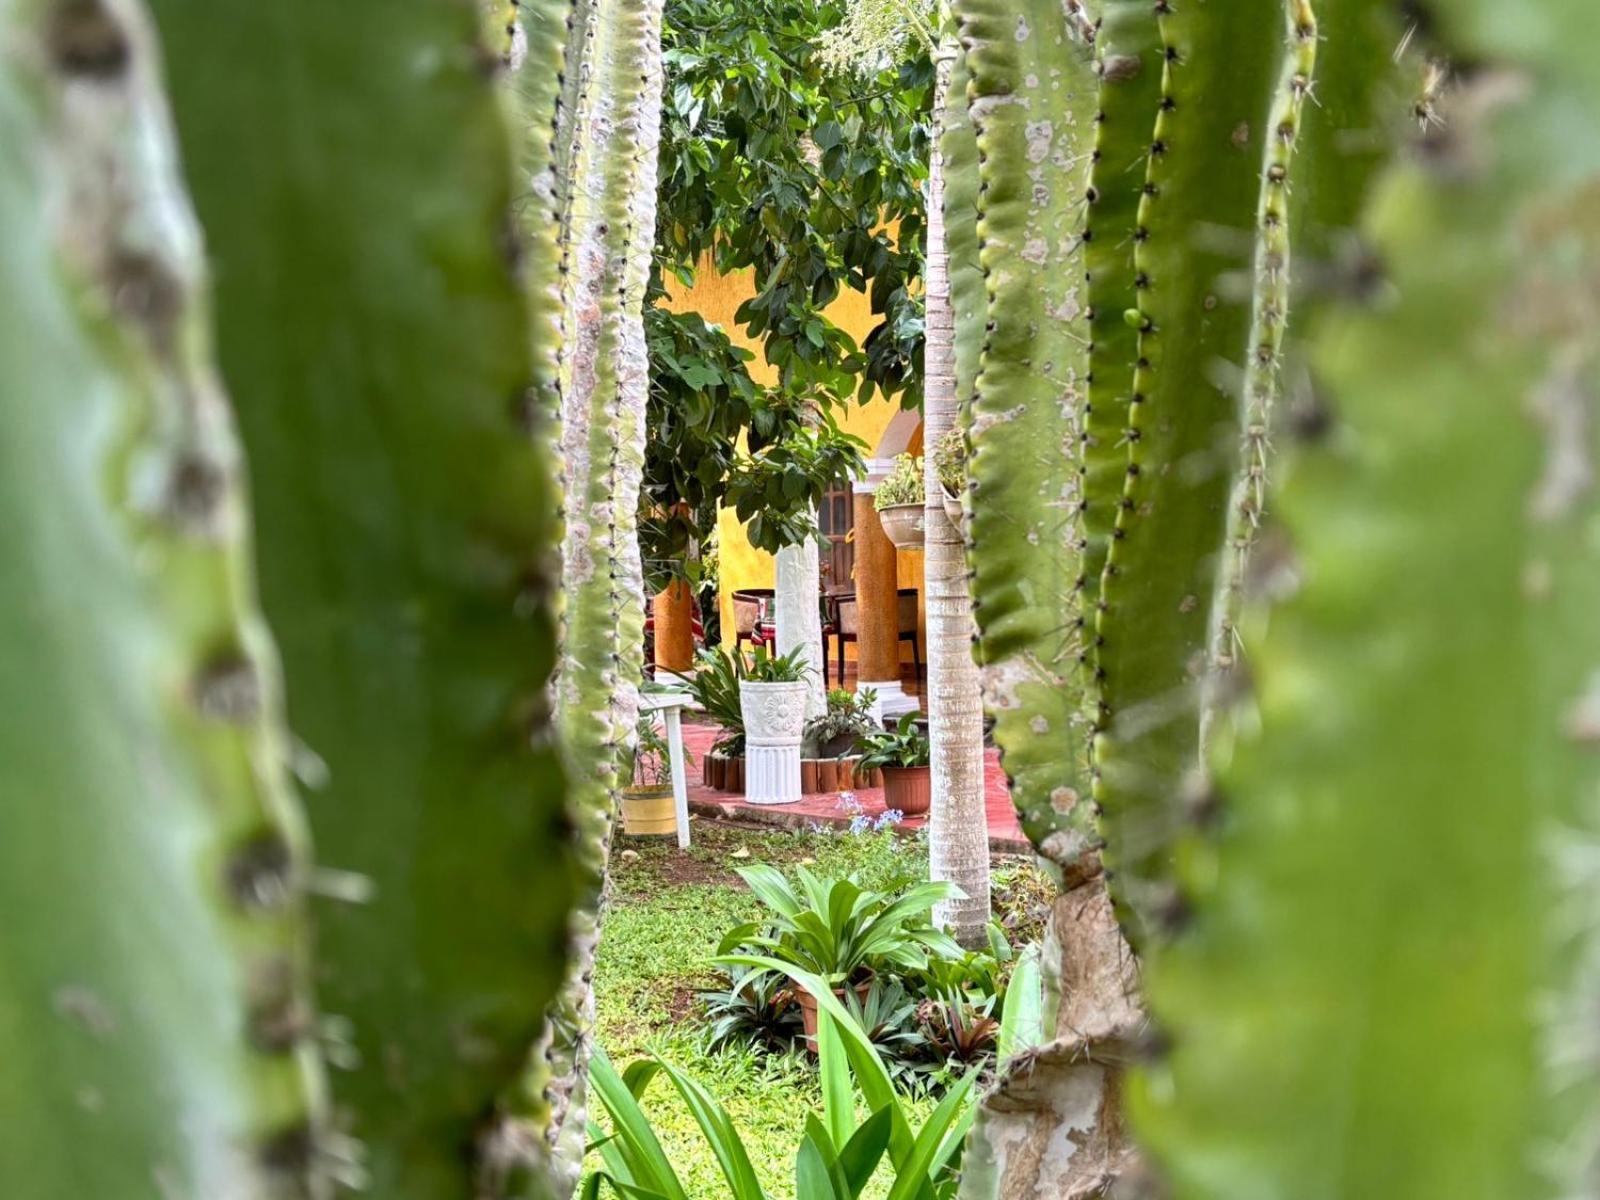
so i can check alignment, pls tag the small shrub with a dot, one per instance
(902, 486)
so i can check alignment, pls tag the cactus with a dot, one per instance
(1199, 203)
(607, 235)
(154, 984)
(1269, 316)
(376, 342)
(1024, 352)
(1404, 873)
(1031, 94)
(1128, 62)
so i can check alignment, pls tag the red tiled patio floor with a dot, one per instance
(1005, 834)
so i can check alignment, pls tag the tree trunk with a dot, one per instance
(799, 585)
(958, 839)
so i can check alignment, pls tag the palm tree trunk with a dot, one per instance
(797, 587)
(959, 831)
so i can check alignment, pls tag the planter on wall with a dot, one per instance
(904, 524)
(774, 720)
(952, 509)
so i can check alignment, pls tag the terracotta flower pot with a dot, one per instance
(808, 1007)
(908, 789)
(905, 524)
(649, 812)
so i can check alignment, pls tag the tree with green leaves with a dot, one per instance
(810, 181)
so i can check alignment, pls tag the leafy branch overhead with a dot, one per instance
(811, 180)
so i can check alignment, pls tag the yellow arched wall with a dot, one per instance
(716, 298)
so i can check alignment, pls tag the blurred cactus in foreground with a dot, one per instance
(154, 969)
(1368, 924)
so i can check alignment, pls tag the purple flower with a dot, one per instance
(860, 823)
(848, 803)
(889, 817)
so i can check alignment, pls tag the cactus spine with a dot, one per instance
(1200, 196)
(154, 994)
(375, 338)
(608, 233)
(1404, 868)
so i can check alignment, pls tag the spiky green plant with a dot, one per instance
(607, 222)
(154, 984)
(375, 335)
(1407, 869)
(1371, 942)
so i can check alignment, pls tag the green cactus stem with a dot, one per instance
(155, 1013)
(1193, 231)
(1129, 62)
(1263, 349)
(608, 236)
(1388, 985)
(352, 167)
(1031, 94)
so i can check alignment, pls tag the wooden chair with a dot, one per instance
(846, 627)
(750, 617)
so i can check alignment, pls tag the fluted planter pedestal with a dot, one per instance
(774, 720)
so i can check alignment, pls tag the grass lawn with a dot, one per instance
(666, 913)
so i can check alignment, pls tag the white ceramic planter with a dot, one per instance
(952, 509)
(905, 524)
(774, 720)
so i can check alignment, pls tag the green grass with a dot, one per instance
(666, 912)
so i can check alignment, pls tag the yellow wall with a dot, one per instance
(716, 298)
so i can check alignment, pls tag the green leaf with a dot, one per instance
(838, 1096)
(635, 1144)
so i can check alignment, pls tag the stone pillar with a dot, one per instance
(878, 605)
(674, 614)
(798, 619)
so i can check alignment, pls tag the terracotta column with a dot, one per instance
(674, 613)
(878, 605)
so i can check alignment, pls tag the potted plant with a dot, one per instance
(715, 688)
(848, 720)
(840, 931)
(772, 702)
(900, 503)
(647, 801)
(950, 467)
(902, 754)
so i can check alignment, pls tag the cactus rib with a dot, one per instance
(155, 1012)
(1031, 94)
(374, 334)
(610, 230)
(1269, 315)
(1158, 589)
(1128, 62)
